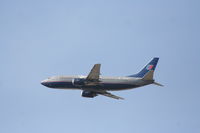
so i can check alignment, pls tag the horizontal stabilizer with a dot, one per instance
(155, 83)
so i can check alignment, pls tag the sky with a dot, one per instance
(44, 38)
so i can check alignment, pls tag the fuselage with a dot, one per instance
(105, 83)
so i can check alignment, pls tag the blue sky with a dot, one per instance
(42, 38)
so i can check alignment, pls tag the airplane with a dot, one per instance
(94, 84)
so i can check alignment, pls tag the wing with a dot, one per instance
(93, 78)
(94, 73)
(93, 93)
(111, 95)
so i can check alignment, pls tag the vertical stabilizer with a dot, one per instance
(148, 71)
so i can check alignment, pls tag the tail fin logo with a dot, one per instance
(149, 67)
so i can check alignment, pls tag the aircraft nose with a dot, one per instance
(44, 82)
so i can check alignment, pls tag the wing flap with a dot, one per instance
(111, 95)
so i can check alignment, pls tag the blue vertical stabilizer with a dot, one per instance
(151, 66)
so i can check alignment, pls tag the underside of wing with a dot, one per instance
(92, 94)
(111, 95)
(94, 73)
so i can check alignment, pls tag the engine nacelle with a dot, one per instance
(89, 94)
(78, 82)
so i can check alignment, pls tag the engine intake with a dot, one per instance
(78, 82)
(89, 94)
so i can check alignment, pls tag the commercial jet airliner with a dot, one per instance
(94, 84)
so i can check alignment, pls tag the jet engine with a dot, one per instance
(89, 94)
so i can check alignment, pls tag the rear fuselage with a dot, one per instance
(105, 83)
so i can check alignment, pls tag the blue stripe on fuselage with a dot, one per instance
(59, 84)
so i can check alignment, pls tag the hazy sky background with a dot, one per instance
(42, 38)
